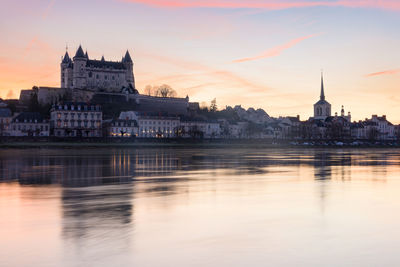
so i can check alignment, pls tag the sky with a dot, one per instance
(256, 53)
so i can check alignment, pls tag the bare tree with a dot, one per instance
(213, 106)
(203, 105)
(165, 91)
(148, 90)
(122, 133)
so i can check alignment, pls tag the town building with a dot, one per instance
(122, 128)
(385, 129)
(28, 124)
(76, 119)
(5, 119)
(153, 125)
(83, 72)
(198, 128)
(322, 109)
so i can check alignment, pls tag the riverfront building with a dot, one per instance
(76, 119)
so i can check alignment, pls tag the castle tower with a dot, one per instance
(63, 66)
(79, 74)
(322, 109)
(66, 71)
(128, 63)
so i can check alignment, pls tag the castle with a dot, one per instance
(80, 72)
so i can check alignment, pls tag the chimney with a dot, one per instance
(298, 117)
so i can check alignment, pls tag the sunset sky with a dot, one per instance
(258, 53)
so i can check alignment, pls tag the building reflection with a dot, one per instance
(91, 167)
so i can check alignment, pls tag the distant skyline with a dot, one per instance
(258, 53)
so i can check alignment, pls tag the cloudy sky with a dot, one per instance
(258, 53)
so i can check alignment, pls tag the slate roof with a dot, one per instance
(105, 64)
(127, 57)
(5, 112)
(29, 117)
(66, 58)
(79, 52)
(322, 102)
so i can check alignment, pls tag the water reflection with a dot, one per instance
(146, 202)
(72, 167)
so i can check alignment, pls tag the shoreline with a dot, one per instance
(251, 144)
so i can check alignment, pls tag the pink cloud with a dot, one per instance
(276, 51)
(386, 72)
(268, 4)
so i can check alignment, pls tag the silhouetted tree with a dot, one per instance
(165, 91)
(213, 106)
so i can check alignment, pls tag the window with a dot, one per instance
(90, 74)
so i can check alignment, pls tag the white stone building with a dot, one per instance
(76, 120)
(200, 128)
(29, 124)
(157, 126)
(83, 72)
(386, 129)
(123, 128)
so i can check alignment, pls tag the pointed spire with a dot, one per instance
(102, 58)
(79, 52)
(86, 55)
(127, 57)
(66, 58)
(322, 96)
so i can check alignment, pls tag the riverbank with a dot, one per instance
(185, 143)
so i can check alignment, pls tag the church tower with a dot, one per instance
(322, 109)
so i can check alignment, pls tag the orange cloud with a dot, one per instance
(386, 72)
(268, 4)
(276, 50)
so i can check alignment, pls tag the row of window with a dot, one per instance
(85, 124)
(105, 76)
(79, 115)
(30, 127)
(159, 122)
(79, 107)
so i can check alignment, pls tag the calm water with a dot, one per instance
(199, 207)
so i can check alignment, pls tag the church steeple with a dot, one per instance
(322, 96)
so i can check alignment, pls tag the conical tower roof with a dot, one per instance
(79, 52)
(127, 57)
(66, 58)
